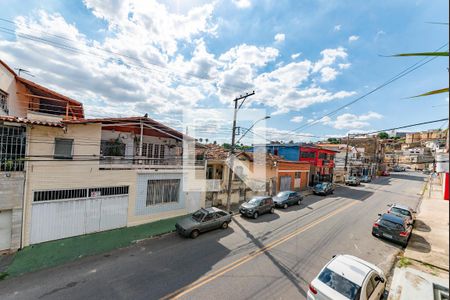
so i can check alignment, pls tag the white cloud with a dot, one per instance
(379, 34)
(328, 74)
(344, 66)
(297, 119)
(329, 56)
(242, 3)
(280, 37)
(296, 55)
(351, 121)
(337, 27)
(353, 38)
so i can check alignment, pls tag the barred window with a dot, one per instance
(4, 101)
(161, 151)
(112, 148)
(308, 155)
(144, 149)
(156, 152)
(50, 195)
(150, 150)
(163, 191)
(12, 148)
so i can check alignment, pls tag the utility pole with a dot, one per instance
(346, 154)
(233, 138)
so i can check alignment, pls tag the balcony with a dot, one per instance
(124, 163)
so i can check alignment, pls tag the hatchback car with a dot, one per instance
(287, 198)
(323, 188)
(392, 227)
(366, 179)
(348, 277)
(385, 173)
(203, 220)
(403, 211)
(257, 206)
(352, 180)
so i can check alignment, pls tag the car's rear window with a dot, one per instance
(391, 225)
(400, 211)
(340, 284)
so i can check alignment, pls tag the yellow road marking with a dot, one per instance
(225, 269)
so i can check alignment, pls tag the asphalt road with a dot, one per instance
(273, 257)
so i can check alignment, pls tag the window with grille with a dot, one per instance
(50, 195)
(4, 101)
(150, 150)
(308, 155)
(63, 148)
(156, 152)
(163, 191)
(12, 148)
(112, 148)
(161, 151)
(144, 149)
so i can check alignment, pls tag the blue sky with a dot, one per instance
(302, 58)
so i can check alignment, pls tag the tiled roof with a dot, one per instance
(13, 119)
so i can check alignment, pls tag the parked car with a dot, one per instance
(399, 169)
(385, 173)
(426, 172)
(323, 188)
(366, 179)
(287, 198)
(257, 206)
(352, 180)
(348, 277)
(403, 211)
(393, 227)
(203, 220)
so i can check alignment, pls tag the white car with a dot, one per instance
(348, 277)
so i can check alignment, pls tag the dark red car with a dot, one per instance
(385, 173)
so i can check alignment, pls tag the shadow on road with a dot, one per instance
(263, 218)
(409, 176)
(288, 273)
(419, 244)
(421, 226)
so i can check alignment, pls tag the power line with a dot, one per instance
(403, 73)
(405, 126)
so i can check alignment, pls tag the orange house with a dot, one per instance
(292, 175)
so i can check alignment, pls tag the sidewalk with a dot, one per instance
(53, 253)
(424, 268)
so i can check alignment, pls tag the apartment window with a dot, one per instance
(308, 155)
(150, 151)
(4, 101)
(297, 175)
(63, 148)
(322, 156)
(163, 191)
(144, 149)
(156, 151)
(161, 151)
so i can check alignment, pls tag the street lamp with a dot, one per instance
(253, 125)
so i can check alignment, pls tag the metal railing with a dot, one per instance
(136, 162)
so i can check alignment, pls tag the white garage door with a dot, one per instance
(5, 229)
(52, 220)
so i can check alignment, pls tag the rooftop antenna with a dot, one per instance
(24, 71)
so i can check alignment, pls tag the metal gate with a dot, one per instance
(285, 183)
(52, 220)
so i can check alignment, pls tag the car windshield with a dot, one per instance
(254, 201)
(320, 185)
(198, 215)
(391, 225)
(400, 211)
(340, 284)
(282, 194)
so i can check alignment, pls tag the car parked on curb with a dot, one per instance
(366, 179)
(257, 206)
(204, 219)
(399, 169)
(287, 198)
(348, 277)
(352, 180)
(323, 188)
(393, 227)
(403, 211)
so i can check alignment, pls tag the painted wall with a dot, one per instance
(17, 103)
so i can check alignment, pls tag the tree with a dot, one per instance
(383, 135)
(226, 146)
(334, 141)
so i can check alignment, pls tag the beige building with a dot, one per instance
(63, 175)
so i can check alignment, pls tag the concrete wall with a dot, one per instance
(17, 103)
(11, 197)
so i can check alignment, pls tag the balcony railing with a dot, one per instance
(120, 162)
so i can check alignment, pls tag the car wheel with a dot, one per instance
(224, 225)
(299, 202)
(195, 233)
(284, 206)
(255, 215)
